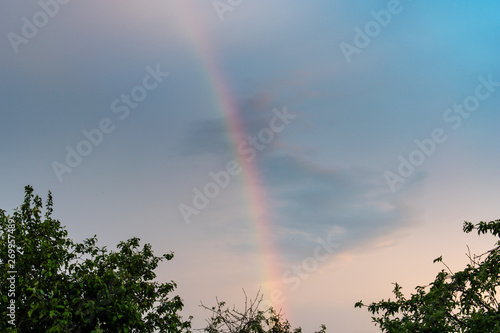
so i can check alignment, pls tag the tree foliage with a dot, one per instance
(58, 285)
(252, 319)
(465, 301)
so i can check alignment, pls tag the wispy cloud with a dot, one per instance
(312, 200)
(216, 136)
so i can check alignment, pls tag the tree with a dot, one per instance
(251, 320)
(465, 301)
(50, 283)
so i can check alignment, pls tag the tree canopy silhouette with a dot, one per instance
(465, 301)
(49, 283)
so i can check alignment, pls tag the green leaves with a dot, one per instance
(63, 286)
(465, 301)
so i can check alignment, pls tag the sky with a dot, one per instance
(318, 150)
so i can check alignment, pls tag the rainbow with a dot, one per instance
(189, 20)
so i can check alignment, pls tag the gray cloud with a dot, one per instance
(212, 136)
(307, 200)
(313, 200)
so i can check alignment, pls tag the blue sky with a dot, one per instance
(323, 174)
